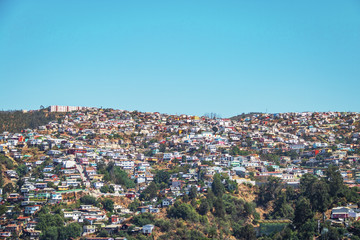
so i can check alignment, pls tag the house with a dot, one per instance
(98, 185)
(5, 234)
(115, 219)
(88, 229)
(154, 210)
(56, 196)
(147, 229)
(344, 213)
(111, 229)
(12, 228)
(167, 202)
(31, 225)
(31, 209)
(33, 234)
(340, 212)
(63, 188)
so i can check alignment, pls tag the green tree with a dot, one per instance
(119, 176)
(270, 190)
(73, 230)
(104, 189)
(162, 148)
(303, 212)
(320, 199)
(51, 185)
(134, 205)
(204, 207)
(334, 180)
(217, 186)
(103, 233)
(307, 229)
(143, 219)
(234, 151)
(21, 170)
(149, 193)
(3, 209)
(219, 208)
(184, 211)
(108, 204)
(9, 188)
(246, 232)
(161, 177)
(193, 192)
(50, 233)
(1, 180)
(88, 200)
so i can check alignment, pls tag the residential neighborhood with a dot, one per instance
(112, 174)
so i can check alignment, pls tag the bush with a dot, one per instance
(184, 211)
(143, 219)
(164, 225)
(108, 204)
(88, 200)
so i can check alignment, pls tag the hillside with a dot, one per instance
(15, 121)
(244, 115)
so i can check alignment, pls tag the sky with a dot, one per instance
(181, 57)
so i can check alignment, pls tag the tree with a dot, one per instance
(302, 212)
(210, 198)
(103, 233)
(9, 188)
(108, 204)
(270, 190)
(119, 176)
(307, 229)
(73, 230)
(134, 205)
(1, 180)
(219, 208)
(244, 233)
(334, 180)
(149, 193)
(193, 192)
(162, 147)
(320, 199)
(217, 186)
(282, 209)
(3, 209)
(104, 189)
(184, 211)
(88, 200)
(204, 207)
(111, 189)
(162, 177)
(143, 219)
(215, 129)
(306, 182)
(51, 185)
(234, 151)
(50, 233)
(21, 170)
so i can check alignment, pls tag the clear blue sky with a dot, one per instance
(191, 57)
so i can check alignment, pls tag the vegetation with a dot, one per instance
(116, 175)
(15, 121)
(52, 226)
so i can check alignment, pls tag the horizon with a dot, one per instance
(189, 58)
(178, 114)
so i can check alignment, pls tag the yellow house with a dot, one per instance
(98, 177)
(63, 188)
(152, 159)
